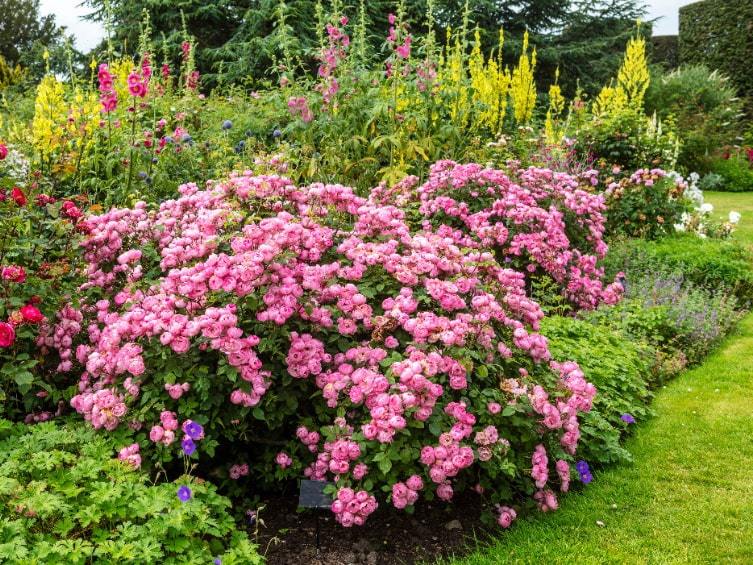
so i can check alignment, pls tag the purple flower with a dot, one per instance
(194, 430)
(586, 477)
(184, 493)
(188, 446)
(627, 418)
(582, 467)
(217, 561)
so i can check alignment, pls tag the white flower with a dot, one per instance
(707, 208)
(679, 227)
(734, 217)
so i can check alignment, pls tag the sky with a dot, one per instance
(88, 34)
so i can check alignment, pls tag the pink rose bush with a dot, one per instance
(384, 354)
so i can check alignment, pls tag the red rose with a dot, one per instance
(7, 334)
(31, 314)
(14, 273)
(18, 195)
(3, 151)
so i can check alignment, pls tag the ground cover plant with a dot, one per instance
(66, 498)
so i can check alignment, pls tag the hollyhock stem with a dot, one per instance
(133, 140)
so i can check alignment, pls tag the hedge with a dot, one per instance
(664, 50)
(719, 33)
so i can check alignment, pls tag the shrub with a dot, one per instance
(710, 264)
(38, 268)
(64, 498)
(620, 370)
(736, 173)
(717, 33)
(648, 204)
(705, 108)
(627, 140)
(349, 346)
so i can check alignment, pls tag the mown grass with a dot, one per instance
(742, 202)
(688, 497)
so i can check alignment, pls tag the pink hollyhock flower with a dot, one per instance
(70, 210)
(3, 151)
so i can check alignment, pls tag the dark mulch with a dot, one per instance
(389, 537)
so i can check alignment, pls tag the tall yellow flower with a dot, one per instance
(633, 76)
(490, 85)
(50, 116)
(523, 85)
(552, 127)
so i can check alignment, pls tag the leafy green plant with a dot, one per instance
(736, 173)
(64, 498)
(710, 264)
(620, 370)
(646, 205)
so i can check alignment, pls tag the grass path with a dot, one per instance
(688, 498)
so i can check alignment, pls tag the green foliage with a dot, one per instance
(626, 139)
(711, 264)
(21, 26)
(646, 206)
(65, 498)
(665, 51)
(717, 33)
(705, 108)
(619, 369)
(736, 173)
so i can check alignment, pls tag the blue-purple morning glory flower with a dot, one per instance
(217, 561)
(194, 430)
(586, 477)
(627, 418)
(582, 467)
(184, 493)
(188, 446)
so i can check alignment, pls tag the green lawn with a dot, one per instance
(688, 498)
(739, 202)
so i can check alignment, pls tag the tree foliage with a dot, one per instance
(245, 39)
(22, 28)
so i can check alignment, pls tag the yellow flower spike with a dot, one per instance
(633, 76)
(552, 129)
(523, 85)
(50, 115)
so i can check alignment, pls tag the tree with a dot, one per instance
(22, 29)
(247, 38)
